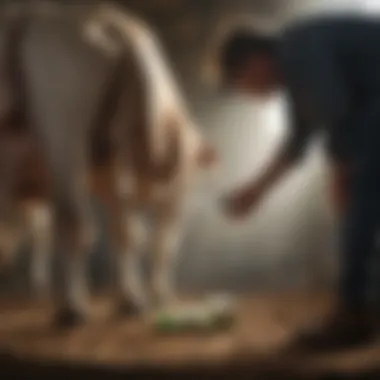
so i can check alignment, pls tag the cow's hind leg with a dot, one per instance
(128, 236)
(65, 77)
(74, 236)
(166, 238)
(39, 225)
(65, 148)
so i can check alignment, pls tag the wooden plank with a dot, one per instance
(264, 325)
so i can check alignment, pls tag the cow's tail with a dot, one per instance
(160, 130)
(158, 137)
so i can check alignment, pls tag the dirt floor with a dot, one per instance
(107, 347)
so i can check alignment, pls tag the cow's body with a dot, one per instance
(103, 117)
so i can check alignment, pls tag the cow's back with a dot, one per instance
(77, 46)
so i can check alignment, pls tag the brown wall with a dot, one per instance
(185, 27)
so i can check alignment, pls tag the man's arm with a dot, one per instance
(292, 150)
(326, 98)
(325, 82)
(331, 96)
(308, 66)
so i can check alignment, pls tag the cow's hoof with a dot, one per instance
(68, 318)
(129, 309)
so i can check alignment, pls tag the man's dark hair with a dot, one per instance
(239, 47)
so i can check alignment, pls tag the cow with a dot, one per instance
(90, 107)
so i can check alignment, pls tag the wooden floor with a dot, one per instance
(264, 325)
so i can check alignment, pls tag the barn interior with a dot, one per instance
(280, 263)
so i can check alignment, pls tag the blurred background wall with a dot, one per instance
(289, 241)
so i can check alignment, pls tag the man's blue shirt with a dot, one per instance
(331, 69)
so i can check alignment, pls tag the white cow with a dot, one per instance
(101, 114)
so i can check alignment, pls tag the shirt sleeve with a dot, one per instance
(330, 95)
(300, 131)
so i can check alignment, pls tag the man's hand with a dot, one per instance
(239, 204)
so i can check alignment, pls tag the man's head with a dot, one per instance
(248, 64)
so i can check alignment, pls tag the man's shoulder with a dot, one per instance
(338, 31)
(324, 23)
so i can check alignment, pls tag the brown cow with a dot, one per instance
(101, 115)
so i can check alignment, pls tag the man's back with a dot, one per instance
(351, 41)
